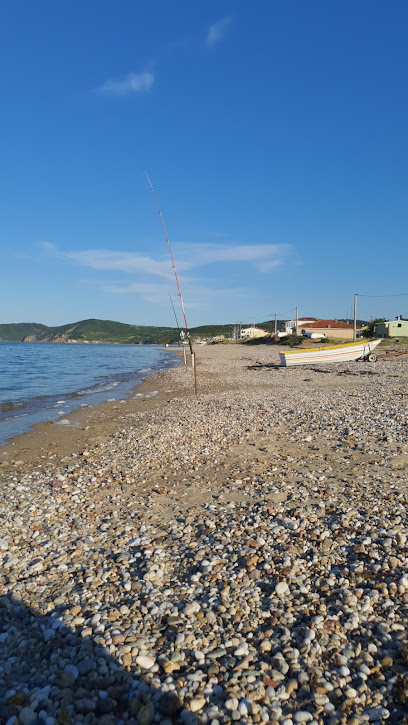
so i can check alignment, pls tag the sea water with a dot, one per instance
(44, 381)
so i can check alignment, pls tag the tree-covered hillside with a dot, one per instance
(88, 331)
(15, 331)
(212, 330)
(108, 331)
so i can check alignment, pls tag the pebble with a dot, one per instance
(281, 588)
(27, 716)
(302, 716)
(245, 563)
(197, 704)
(145, 662)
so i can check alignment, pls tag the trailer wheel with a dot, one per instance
(372, 357)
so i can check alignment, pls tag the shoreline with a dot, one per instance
(86, 424)
(242, 556)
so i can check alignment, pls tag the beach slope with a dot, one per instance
(240, 556)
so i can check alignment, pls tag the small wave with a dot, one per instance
(8, 405)
(98, 389)
(13, 417)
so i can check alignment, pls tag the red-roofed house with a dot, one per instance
(330, 328)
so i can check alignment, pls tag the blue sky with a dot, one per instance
(275, 135)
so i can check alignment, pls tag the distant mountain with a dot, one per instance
(107, 331)
(88, 331)
(15, 331)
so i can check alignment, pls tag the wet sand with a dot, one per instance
(88, 426)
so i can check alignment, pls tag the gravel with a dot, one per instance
(239, 557)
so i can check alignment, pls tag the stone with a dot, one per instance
(169, 704)
(86, 666)
(84, 705)
(71, 671)
(281, 588)
(197, 704)
(145, 716)
(145, 662)
(104, 706)
(27, 716)
(302, 716)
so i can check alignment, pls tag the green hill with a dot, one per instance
(15, 331)
(108, 331)
(105, 331)
(93, 330)
(212, 330)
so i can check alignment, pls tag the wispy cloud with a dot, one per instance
(106, 260)
(132, 83)
(155, 293)
(49, 247)
(137, 274)
(195, 295)
(217, 31)
(263, 256)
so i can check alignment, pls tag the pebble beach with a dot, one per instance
(239, 557)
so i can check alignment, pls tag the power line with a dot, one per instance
(402, 294)
(279, 314)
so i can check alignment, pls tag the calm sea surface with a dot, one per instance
(45, 381)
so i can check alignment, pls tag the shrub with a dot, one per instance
(291, 340)
(369, 331)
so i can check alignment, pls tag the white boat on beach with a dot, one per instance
(361, 349)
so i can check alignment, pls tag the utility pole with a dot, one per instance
(355, 318)
(276, 323)
(297, 325)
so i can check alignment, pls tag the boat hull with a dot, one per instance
(332, 354)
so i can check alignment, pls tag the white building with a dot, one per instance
(290, 325)
(252, 332)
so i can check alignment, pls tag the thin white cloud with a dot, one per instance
(217, 31)
(155, 293)
(49, 248)
(132, 83)
(264, 257)
(198, 290)
(194, 295)
(106, 260)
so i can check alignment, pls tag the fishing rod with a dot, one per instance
(176, 318)
(177, 281)
(181, 334)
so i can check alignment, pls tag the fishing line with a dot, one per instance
(193, 362)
